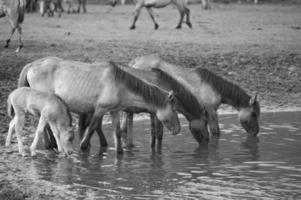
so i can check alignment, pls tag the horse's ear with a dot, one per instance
(171, 96)
(253, 100)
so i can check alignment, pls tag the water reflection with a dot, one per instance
(235, 166)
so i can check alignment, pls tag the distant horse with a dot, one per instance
(211, 91)
(186, 103)
(71, 4)
(51, 110)
(51, 6)
(99, 88)
(15, 12)
(149, 4)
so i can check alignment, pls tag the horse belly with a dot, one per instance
(157, 3)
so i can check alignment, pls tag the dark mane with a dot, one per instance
(227, 89)
(67, 108)
(185, 98)
(149, 92)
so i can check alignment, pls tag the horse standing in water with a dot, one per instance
(51, 110)
(99, 88)
(211, 91)
(149, 4)
(15, 12)
(186, 104)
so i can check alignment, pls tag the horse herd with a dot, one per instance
(50, 88)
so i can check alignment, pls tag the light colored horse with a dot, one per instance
(15, 12)
(211, 91)
(186, 103)
(49, 108)
(97, 89)
(150, 4)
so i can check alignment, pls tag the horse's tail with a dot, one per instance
(10, 108)
(21, 11)
(22, 81)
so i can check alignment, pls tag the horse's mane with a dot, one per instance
(227, 89)
(186, 99)
(149, 92)
(67, 108)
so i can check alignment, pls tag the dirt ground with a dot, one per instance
(255, 46)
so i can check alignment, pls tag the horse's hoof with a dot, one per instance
(156, 27)
(132, 27)
(6, 46)
(189, 24)
(85, 146)
(178, 27)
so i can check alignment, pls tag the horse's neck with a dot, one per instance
(236, 102)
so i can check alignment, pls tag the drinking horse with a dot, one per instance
(186, 103)
(15, 13)
(97, 89)
(210, 90)
(181, 5)
(49, 108)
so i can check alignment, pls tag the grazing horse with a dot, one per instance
(15, 12)
(149, 4)
(99, 88)
(51, 110)
(211, 91)
(186, 103)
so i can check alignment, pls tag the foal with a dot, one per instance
(52, 111)
(15, 12)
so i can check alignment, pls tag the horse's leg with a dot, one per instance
(20, 120)
(137, 13)
(102, 139)
(98, 113)
(151, 14)
(39, 131)
(187, 12)
(213, 122)
(84, 2)
(116, 129)
(19, 28)
(82, 119)
(56, 135)
(10, 131)
(79, 4)
(127, 128)
(49, 140)
(159, 133)
(11, 34)
(181, 19)
(153, 131)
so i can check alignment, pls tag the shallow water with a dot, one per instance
(235, 167)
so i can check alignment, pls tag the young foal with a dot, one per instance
(149, 4)
(15, 12)
(52, 111)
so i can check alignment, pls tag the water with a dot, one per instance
(235, 167)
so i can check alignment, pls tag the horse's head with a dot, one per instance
(113, 3)
(248, 116)
(66, 138)
(198, 128)
(168, 115)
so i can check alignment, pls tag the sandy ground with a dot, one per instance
(255, 46)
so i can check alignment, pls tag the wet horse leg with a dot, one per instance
(39, 131)
(97, 116)
(20, 120)
(127, 128)
(49, 140)
(102, 139)
(137, 13)
(10, 131)
(151, 14)
(159, 133)
(213, 122)
(116, 130)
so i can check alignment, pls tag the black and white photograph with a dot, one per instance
(150, 99)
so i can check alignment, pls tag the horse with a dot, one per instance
(71, 4)
(15, 12)
(186, 103)
(99, 88)
(51, 6)
(181, 5)
(210, 90)
(51, 110)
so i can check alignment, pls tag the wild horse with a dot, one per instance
(181, 5)
(15, 12)
(210, 90)
(99, 88)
